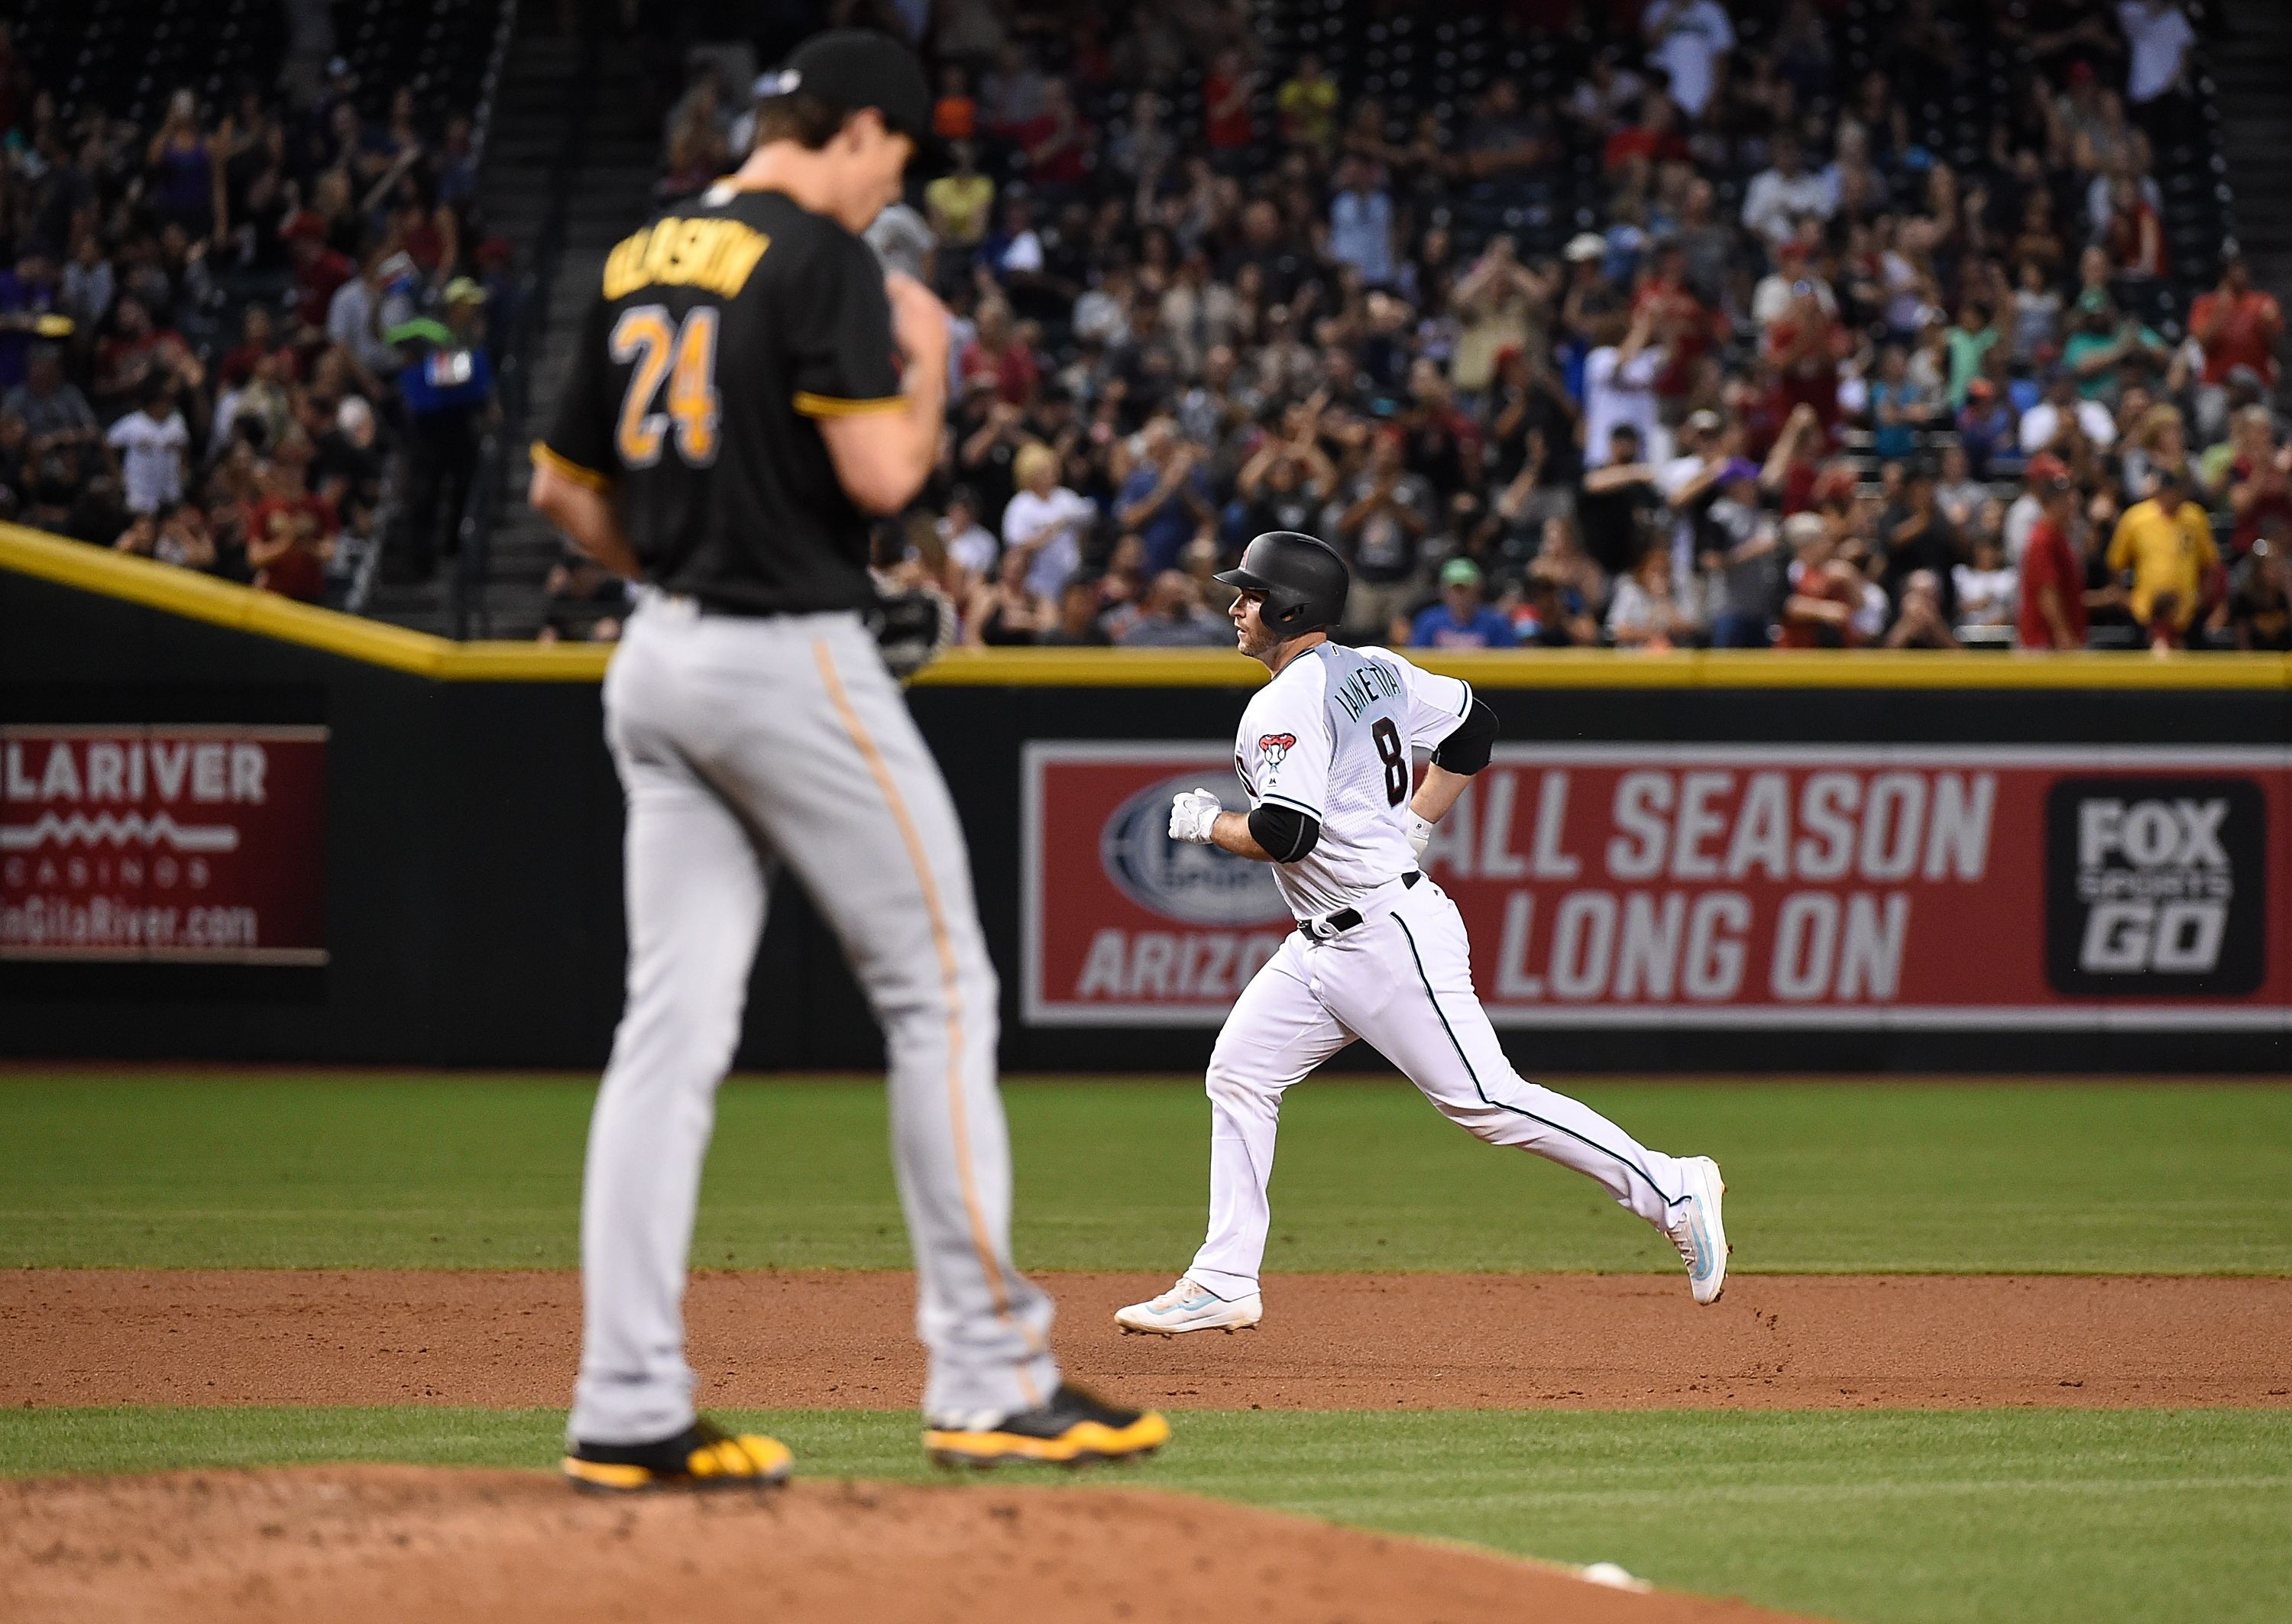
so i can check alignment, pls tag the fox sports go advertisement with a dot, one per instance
(1720, 886)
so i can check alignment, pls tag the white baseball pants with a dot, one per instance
(1401, 982)
(745, 745)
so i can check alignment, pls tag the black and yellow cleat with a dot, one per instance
(1070, 1430)
(703, 1455)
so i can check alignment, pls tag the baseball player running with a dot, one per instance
(733, 413)
(1380, 952)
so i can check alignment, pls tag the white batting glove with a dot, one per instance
(1191, 815)
(1420, 835)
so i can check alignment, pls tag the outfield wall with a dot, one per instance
(280, 835)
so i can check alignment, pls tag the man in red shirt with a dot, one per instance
(2053, 573)
(998, 352)
(1803, 350)
(2259, 477)
(318, 269)
(1654, 138)
(1227, 126)
(1056, 141)
(1684, 328)
(2237, 325)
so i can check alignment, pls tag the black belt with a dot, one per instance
(1345, 919)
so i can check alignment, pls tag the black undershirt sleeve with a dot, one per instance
(1285, 834)
(1466, 750)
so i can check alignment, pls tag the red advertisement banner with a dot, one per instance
(197, 844)
(1695, 886)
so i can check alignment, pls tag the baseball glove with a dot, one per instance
(912, 629)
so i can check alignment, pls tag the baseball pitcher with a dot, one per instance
(1324, 752)
(734, 412)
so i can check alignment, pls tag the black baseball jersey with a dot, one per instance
(724, 329)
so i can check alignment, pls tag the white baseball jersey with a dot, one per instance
(1332, 736)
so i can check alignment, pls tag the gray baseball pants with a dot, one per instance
(747, 747)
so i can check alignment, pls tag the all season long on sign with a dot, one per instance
(1722, 886)
(163, 843)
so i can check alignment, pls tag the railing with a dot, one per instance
(472, 568)
(383, 523)
(480, 508)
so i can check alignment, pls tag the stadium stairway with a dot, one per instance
(2249, 69)
(609, 192)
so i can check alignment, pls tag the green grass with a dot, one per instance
(206, 1169)
(1876, 1517)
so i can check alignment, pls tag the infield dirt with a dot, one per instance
(844, 1339)
(380, 1545)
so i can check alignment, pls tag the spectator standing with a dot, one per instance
(2050, 595)
(1307, 106)
(2166, 543)
(354, 316)
(1741, 560)
(1803, 350)
(1387, 513)
(1617, 500)
(1361, 222)
(446, 391)
(1167, 497)
(2235, 324)
(1463, 618)
(1044, 522)
(1227, 127)
(1686, 38)
(2158, 39)
(961, 202)
(1787, 192)
(155, 448)
(1619, 392)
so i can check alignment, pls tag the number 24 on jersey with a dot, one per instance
(685, 353)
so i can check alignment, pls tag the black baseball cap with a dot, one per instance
(853, 68)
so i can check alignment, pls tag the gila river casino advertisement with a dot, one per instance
(182, 844)
(1722, 886)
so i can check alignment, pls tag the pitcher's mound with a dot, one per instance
(381, 1545)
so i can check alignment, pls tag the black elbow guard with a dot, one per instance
(1466, 750)
(1285, 834)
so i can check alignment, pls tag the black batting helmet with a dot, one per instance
(1304, 580)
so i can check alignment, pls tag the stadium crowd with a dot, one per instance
(238, 340)
(1799, 381)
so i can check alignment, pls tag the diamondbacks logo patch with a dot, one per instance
(1272, 747)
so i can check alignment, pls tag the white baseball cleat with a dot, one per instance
(1699, 1231)
(1187, 1307)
